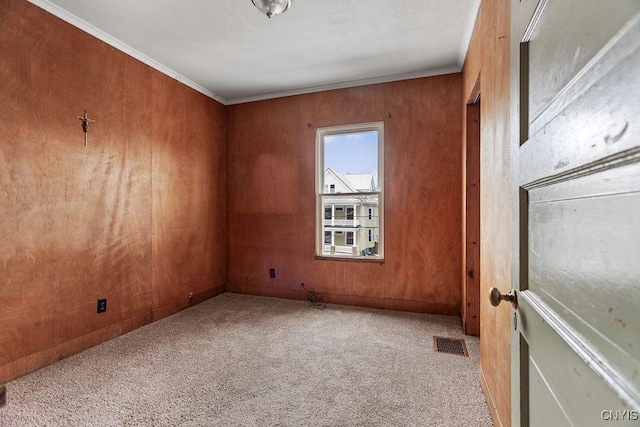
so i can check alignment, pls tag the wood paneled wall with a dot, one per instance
(271, 202)
(137, 216)
(488, 56)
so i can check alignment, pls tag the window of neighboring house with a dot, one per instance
(349, 179)
(349, 237)
(349, 213)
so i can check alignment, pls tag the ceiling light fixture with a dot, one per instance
(272, 7)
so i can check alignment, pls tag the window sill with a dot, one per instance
(366, 259)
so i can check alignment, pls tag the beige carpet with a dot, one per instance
(238, 360)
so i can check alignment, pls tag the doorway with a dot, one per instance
(471, 217)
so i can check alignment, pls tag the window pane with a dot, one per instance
(351, 229)
(351, 162)
(350, 190)
(349, 213)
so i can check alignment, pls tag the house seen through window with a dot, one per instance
(350, 191)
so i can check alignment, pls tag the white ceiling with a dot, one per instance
(229, 51)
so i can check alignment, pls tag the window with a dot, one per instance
(327, 212)
(349, 213)
(349, 237)
(349, 183)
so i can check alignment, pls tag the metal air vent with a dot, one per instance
(450, 346)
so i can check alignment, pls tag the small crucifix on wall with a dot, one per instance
(85, 125)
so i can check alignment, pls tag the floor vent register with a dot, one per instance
(450, 346)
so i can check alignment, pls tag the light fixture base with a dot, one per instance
(272, 7)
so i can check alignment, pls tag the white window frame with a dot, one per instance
(346, 238)
(327, 210)
(321, 133)
(353, 213)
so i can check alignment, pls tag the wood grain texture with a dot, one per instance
(271, 145)
(423, 200)
(75, 221)
(271, 201)
(488, 56)
(353, 105)
(189, 220)
(471, 291)
(470, 302)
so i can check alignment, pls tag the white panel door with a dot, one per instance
(576, 157)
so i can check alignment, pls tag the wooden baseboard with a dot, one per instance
(471, 328)
(491, 403)
(371, 302)
(169, 309)
(267, 292)
(35, 361)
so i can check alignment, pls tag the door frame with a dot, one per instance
(471, 274)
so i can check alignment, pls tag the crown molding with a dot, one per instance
(123, 47)
(346, 85)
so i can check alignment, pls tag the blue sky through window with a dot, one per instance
(352, 153)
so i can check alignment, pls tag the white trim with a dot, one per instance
(353, 238)
(123, 47)
(590, 355)
(349, 84)
(535, 19)
(319, 184)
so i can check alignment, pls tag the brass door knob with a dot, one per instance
(496, 297)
